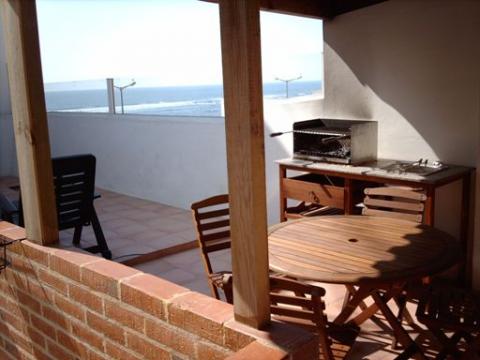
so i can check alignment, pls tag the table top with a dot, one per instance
(376, 169)
(355, 249)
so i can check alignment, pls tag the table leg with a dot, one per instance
(283, 199)
(361, 294)
(466, 241)
(399, 332)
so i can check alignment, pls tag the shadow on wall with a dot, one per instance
(413, 67)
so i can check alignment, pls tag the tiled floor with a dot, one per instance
(135, 226)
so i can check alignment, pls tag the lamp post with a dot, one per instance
(122, 88)
(287, 81)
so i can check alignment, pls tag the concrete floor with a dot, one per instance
(136, 226)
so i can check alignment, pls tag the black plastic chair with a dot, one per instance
(74, 185)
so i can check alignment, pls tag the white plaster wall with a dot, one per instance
(413, 66)
(172, 160)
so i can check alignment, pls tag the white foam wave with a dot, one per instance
(148, 106)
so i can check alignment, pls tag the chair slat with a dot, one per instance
(214, 225)
(217, 246)
(396, 192)
(392, 214)
(213, 214)
(392, 204)
(291, 312)
(216, 236)
(279, 298)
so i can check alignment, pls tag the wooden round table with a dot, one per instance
(355, 249)
(372, 253)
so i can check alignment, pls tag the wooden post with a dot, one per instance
(242, 78)
(30, 120)
(476, 235)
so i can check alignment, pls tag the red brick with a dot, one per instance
(90, 337)
(33, 288)
(92, 355)
(201, 315)
(28, 301)
(32, 251)
(255, 350)
(171, 337)
(19, 322)
(52, 280)
(118, 353)
(13, 233)
(42, 326)
(209, 351)
(22, 265)
(86, 297)
(106, 327)
(150, 293)
(5, 225)
(68, 263)
(72, 344)
(105, 276)
(17, 352)
(55, 317)
(69, 307)
(58, 352)
(118, 312)
(20, 340)
(146, 348)
(36, 337)
(5, 356)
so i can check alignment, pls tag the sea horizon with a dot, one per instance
(195, 100)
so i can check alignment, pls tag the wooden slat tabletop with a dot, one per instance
(352, 249)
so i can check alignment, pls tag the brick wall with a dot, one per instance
(58, 304)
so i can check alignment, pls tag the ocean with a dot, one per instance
(170, 101)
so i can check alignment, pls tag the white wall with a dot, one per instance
(172, 160)
(413, 66)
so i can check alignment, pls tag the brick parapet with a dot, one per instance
(59, 304)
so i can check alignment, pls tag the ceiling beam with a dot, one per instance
(306, 8)
(318, 9)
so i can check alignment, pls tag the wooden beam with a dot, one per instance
(30, 120)
(306, 8)
(242, 79)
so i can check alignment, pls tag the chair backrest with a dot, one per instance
(211, 218)
(297, 300)
(74, 183)
(301, 304)
(394, 202)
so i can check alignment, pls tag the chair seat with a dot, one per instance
(449, 308)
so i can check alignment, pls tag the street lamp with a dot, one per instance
(122, 88)
(287, 81)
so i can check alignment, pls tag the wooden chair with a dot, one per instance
(74, 186)
(399, 203)
(301, 304)
(212, 224)
(445, 309)
(394, 202)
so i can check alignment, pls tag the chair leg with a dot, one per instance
(325, 345)
(77, 234)
(102, 243)
(401, 302)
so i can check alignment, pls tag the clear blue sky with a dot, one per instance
(163, 42)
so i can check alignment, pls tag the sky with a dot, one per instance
(163, 42)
